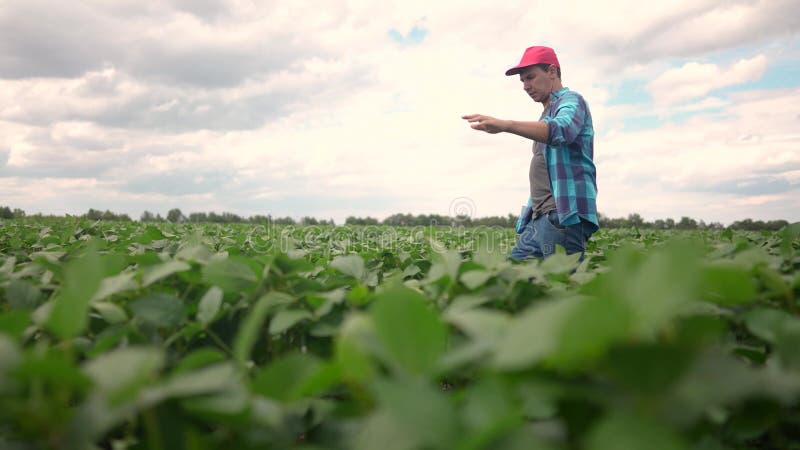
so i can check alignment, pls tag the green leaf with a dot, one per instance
(411, 270)
(766, 323)
(481, 324)
(163, 270)
(23, 295)
(359, 295)
(199, 358)
(728, 283)
(651, 368)
(475, 278)
(53, 368)
(648, 284)
(434, 426)
(533, 335)
(285, 378)
(287, 318)
(82, 277)
(590, 329)
(383, 431)
(14, 323)
(355, 337)
(630, 432)
(323, 302)
(209, 305)
(111, 313)
(467, 302)
(8, 266)
(411, 331)
(120, 374)
(445, 263)
(789, 344)
(560, 262)
(352, 265)
(114, 285)
(716, 379)
(10, 356)
(489, 252)
(197, 253)
(490, 405)
(249, 330)
(227, 405)
(231, 276)
(159, 310)
(214, 378)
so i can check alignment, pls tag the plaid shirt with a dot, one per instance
(569, 153)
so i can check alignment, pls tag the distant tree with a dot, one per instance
(284, 221)
(18, 213)
(198, 217)
(93, 214)
(351, 220)
(635, 220)
(754, 225)
(175, 215)
(6, 213)
(227, 217)
(494, 221)
(776, 225)
(687, 223)
(147, 216)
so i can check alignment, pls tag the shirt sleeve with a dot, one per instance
(563, 128)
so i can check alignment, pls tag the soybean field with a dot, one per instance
(129, 335)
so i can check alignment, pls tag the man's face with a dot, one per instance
(538, 83)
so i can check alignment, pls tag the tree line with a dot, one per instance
(634, 220)
(687, 223)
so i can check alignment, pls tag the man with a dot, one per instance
(562, 206)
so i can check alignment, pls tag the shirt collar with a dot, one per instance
(556, 94)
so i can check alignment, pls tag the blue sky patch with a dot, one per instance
(413, 37)
(778, 75)
(643, 122)
(631, 91)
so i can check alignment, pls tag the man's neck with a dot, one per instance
(556, 88)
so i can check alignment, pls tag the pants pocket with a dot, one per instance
(552, 219)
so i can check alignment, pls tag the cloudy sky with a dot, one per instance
(333, 108)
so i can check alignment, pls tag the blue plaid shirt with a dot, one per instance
(569, 154)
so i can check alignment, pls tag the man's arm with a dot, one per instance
(536, 131)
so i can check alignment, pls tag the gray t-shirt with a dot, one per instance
(541, 194)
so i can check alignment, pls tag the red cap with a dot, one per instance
(535, 55)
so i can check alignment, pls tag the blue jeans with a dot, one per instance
(539, 237)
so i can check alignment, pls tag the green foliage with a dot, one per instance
(178, 334)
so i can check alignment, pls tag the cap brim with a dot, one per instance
(516, 70)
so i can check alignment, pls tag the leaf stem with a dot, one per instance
(152, 430)
(219, 341)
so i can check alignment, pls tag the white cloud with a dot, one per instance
(694, 80)
(704, 168)
(301, 109)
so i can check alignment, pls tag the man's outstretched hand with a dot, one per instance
(487, 123)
